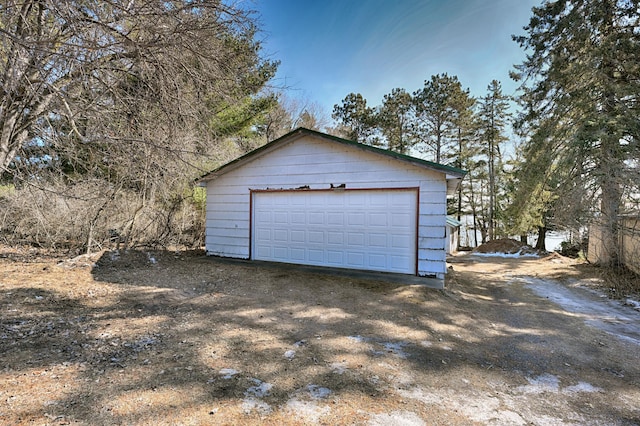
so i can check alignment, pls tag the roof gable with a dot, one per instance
(451, 172)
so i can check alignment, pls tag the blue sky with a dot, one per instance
(329, 48)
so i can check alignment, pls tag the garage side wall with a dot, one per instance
(318, 164)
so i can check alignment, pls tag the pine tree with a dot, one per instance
(355, 117)
(493, 115)
(581, 99)
(439, 106)
(395, 120)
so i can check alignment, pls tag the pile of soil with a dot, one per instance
(505, 245)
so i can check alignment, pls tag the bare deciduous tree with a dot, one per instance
(133, 93)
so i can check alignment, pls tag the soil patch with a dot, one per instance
(180, 338)
(506, 246)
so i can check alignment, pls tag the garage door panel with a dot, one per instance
(280, 235)
(356, 219)
(355, 239)
(298, 218)
(335, 238)
(297, 236)
(355, 260)
(356, 199)
(297, 254)
(316, 256)
(316, 237)
(263, 252)
(316, 218)
(400, 262)
(377, 261)
(335, 218)
(365, 229)
(264, 216)
(335, 257)
(263, 234)
(400, 219)
(378, 240)
(378, 219)
(280, 217)
(280, 253)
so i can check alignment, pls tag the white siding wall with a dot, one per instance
(318, 163)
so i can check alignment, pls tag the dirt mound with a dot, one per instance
(505, 245)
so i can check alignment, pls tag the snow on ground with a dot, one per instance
(404, 418)
(253, 397)
(228, 373)
(595, 308)
(505, 255)
(395, 348)
(633, 303)
(550, 383)
(306, 404)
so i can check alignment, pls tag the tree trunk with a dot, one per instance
(612, 162)
(459, 166)
(542, 235)
(523, 238)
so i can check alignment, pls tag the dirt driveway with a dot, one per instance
(163, 338)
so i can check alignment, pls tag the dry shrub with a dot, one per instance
(621, 282)
(94, 214)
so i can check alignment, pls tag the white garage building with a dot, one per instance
(314, 199)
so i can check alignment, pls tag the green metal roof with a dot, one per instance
(299, 132)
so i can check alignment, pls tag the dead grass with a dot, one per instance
(178, 338)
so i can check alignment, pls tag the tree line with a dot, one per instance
(576, 159)
(444, 123)
(110, 109)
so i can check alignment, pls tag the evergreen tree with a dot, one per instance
(581, 99)
(440, 104)
(355, 117)
(395, 120)
(493, 115)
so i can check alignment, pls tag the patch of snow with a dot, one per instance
(318, 392)
(260, 390)
(358, 338)
(550, 383)
(309, 411)
(506, 255)
(250, 404)
(581, 387)
(543, 383)
(152, 259)
(290, 354)
(396, 348)
(304, 404)
(633, 303)
(596, 311)
(477, 407)
(396, 418)
(253, 395)
(228, 373)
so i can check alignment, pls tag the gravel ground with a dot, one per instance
(169, 338)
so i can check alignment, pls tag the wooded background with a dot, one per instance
(111, 109)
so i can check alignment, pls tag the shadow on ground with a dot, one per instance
(168, 337)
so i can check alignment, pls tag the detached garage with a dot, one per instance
(314, 199)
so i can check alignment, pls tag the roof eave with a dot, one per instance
(451, 173)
